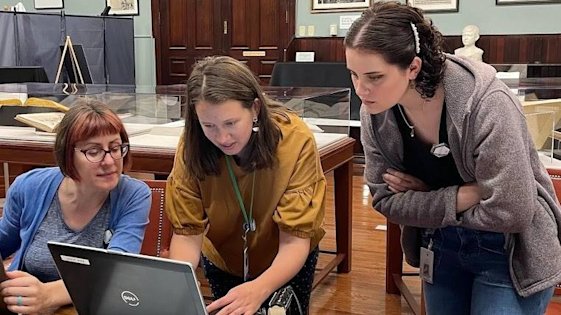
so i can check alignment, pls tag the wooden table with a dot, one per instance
(394, 270)
(336, 157)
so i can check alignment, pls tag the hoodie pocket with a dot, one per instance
(536, 259)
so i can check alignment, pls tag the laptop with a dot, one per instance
(3, 309)
(102, 282)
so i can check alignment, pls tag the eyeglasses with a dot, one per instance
(97, 154)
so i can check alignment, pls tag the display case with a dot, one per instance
(541, 103)
(153, 116)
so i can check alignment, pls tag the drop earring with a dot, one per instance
(255, 127)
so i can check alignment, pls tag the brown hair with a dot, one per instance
(385, 28)
(215, 80)
(85, 120)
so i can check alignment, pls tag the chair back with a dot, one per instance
(157, 237)
(555, 175)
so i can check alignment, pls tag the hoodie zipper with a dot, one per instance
(465, 129)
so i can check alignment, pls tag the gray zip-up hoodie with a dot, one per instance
(490, 143)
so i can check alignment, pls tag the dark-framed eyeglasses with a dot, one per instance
(97, 154)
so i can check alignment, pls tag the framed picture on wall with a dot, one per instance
(506, 2)
(319, 6)
(48, 4)
(435, 5)
(122, 7)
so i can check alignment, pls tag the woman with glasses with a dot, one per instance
(86, 200)
(246, 189)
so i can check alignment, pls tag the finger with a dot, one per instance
(225, 311)
(16, 274)
(395, 191)
(397, 173)
(20, 309)
(18, 290)
(404, 176)
(220, 303)
(398, 188)
(390, 179)
(397, 182)
(17, 300)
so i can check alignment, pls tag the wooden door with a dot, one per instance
(254, 31)
(185, 31)
(258, 33)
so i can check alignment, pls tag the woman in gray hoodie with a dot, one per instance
(449, 157)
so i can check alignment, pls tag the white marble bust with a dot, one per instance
(470, 35)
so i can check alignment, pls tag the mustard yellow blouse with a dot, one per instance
(290, 197)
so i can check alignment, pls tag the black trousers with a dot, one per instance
(221, 282)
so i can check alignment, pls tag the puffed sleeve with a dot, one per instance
(183, 198)
(301, 208)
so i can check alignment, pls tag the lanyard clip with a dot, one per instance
(251, 227)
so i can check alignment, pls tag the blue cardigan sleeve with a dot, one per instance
(130, 209)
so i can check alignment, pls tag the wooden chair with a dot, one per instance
(555, 175)
(158, 233)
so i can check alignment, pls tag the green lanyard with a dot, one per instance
(249, 223)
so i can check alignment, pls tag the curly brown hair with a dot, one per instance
(385, 28)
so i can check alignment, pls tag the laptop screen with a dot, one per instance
(107, 282)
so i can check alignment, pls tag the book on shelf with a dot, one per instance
(41, 121)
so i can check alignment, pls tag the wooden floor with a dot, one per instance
(362, 291)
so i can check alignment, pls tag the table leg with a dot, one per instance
(343, 177)
(394, 257)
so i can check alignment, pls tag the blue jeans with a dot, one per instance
(471, 276)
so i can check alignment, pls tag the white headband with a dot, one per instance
(417, 40)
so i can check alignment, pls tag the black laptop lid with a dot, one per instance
(107, 282)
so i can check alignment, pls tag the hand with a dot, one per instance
(468, 196)
(24, 288)
(401, 182)
(244, 299)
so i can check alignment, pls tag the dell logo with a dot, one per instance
(130, 298)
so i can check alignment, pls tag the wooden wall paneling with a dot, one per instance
(499, 49)
(553, 48)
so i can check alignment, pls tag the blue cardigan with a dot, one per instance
(31, 194)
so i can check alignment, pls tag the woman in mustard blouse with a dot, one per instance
(247, 190)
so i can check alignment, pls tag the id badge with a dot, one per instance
(426, 267)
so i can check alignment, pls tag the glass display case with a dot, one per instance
(153, 116)
(541, 103)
